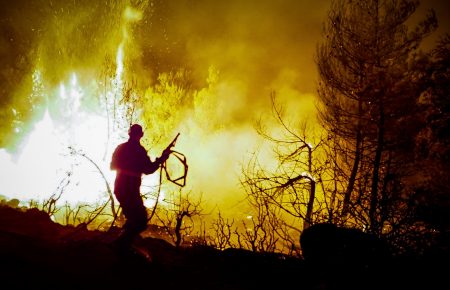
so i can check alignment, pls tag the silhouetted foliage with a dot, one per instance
(332, 245)
(370, 80)
(382, 103)
(433, 141)
(338, 252)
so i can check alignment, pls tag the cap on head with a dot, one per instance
(135, 131)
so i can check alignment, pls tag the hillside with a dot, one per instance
(37, 253)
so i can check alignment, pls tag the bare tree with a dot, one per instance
(73, 215)
(260, 234)
(294, 185)
(49, 205)
(173, 218)
(222, 233)
(108, 187)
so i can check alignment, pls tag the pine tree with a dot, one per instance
(368, 90)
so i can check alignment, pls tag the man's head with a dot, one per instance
(135, 132)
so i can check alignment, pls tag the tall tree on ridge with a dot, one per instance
(368, 89)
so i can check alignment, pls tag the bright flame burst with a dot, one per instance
(45, 161)
(215, 130)
(53, 159)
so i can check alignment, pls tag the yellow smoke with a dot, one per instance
(203, 68)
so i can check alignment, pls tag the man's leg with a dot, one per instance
(136, 221)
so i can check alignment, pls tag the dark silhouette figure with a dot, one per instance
(130, 160)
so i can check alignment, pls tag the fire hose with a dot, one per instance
(180, 181)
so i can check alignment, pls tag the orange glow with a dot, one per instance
(83, 56)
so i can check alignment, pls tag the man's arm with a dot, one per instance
(153, 166)
(150, 167)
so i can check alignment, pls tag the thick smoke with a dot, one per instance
(236, 54)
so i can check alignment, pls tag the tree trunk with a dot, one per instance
(354, 172)
(309, 210)
(374, 226)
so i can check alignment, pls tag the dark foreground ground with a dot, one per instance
(36, 253)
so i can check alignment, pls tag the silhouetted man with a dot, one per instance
(130, 160)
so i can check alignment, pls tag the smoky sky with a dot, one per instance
(256, 45)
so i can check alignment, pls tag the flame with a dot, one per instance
(33, 173)
(217, 133)
(56, 149)
(45, 160)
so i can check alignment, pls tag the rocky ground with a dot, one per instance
(37, 253)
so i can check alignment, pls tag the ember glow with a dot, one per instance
(68, 65)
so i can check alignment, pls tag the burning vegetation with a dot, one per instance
(362, 162)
